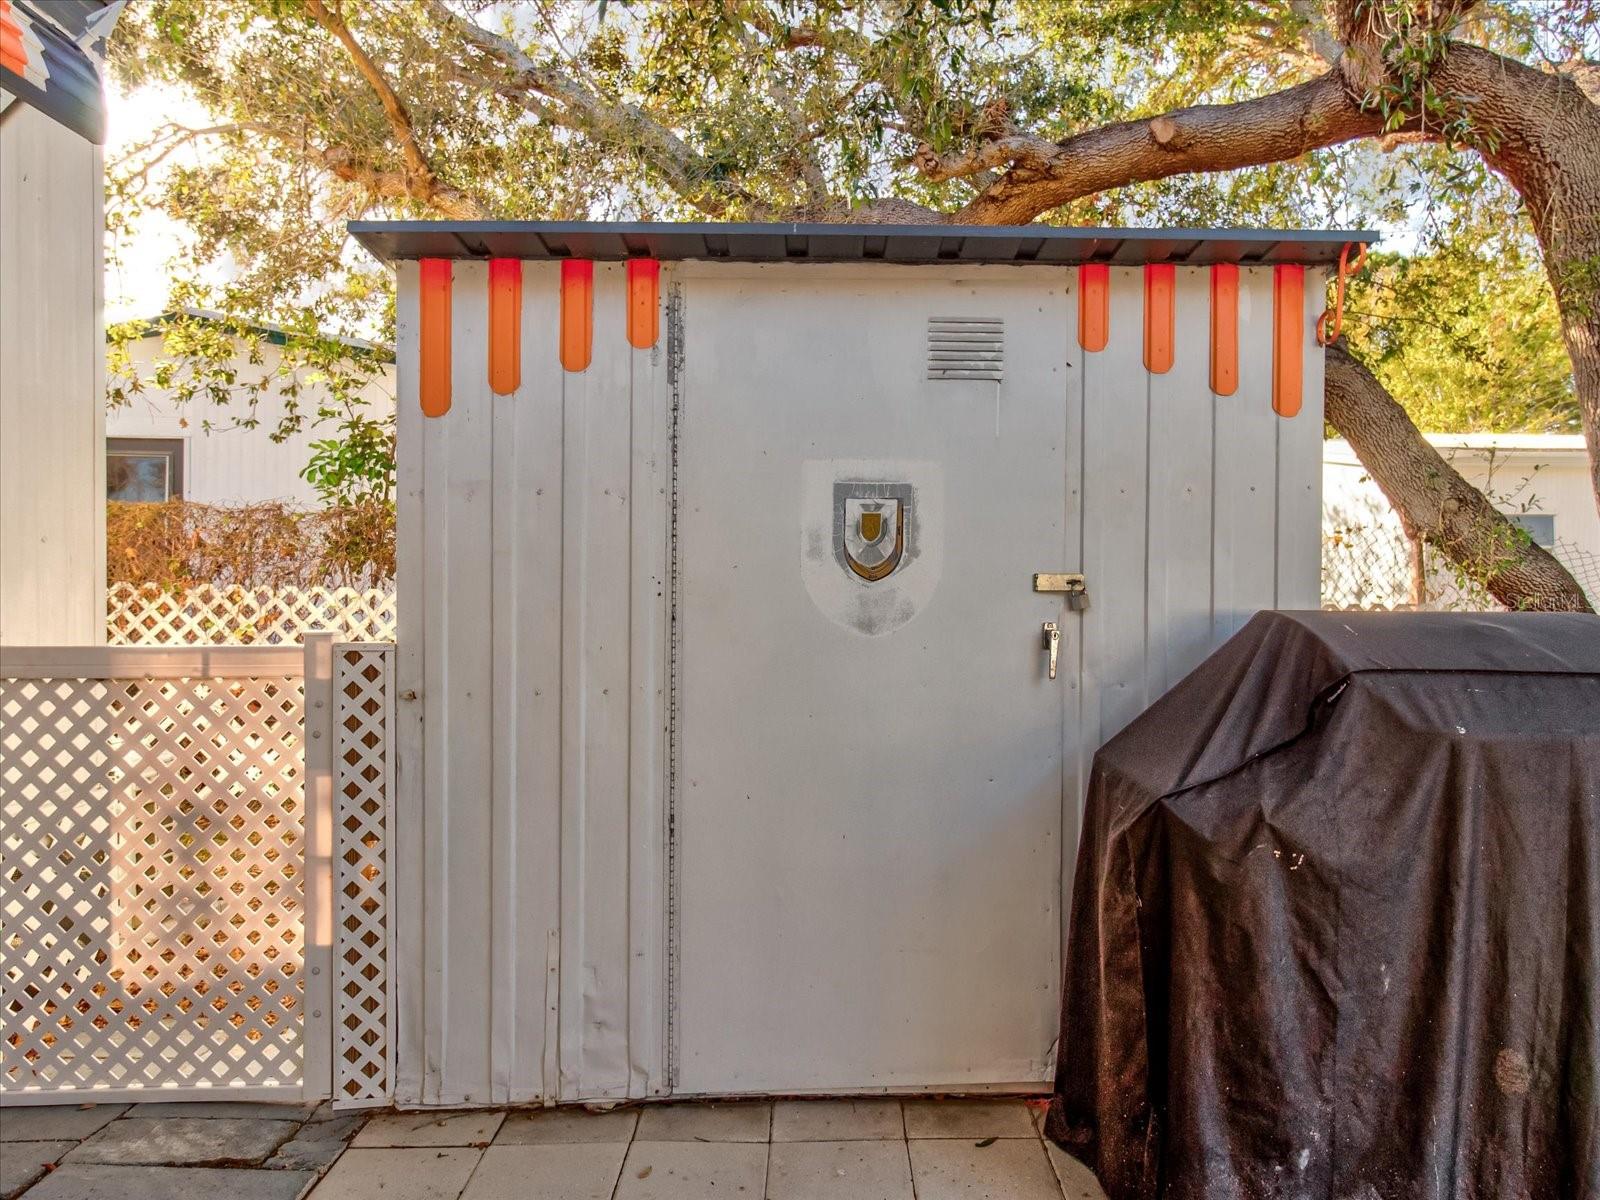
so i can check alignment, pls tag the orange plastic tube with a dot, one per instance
(505, 325)
(433, 342)
(1225, 329)
(1160, 281)
(644, 293)
(1288, 337)
(1094, 305)
(577, 313)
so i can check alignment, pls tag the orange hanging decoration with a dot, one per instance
(1094, 305)
(505, 325)
(1160, 283)
(433, 341)
(1346, 269)
(577, 313)
(1288, 337)
(1225, 328)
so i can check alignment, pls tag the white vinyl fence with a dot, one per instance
(145, 614)
(193, 873)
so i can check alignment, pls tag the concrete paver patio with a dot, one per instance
(866, 1149)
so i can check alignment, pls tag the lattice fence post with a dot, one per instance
(364, 1042)
(319, 779)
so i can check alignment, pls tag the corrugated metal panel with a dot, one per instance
(52, 386)
(1012, 244)
(536, 627)
(533, 531)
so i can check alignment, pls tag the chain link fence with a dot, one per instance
(1375, 566)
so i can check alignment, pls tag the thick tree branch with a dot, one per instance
(1018, 150)
(1546, 163)
(1585, 73)
(421, 183)
(1435, 502)
(343, 163)
(1206, 137)
(520, 78)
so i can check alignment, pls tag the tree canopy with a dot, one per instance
(1269, 112)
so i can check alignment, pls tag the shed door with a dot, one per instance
(869, 764)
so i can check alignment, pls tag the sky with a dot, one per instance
(136, 286)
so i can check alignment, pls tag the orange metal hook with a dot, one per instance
(1346, 269)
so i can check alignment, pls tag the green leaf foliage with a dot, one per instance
(781, 109)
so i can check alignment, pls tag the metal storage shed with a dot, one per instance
(750, 687)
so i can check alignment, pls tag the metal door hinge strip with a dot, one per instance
(674, 652)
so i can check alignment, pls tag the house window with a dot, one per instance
(1541, 527)
(144, 469)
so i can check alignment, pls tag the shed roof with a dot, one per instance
(733, 242)
(275, 335)
(52, 56)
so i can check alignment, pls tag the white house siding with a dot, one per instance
(236, 466)
(534, 642)
(52, 413)
(1522, 473)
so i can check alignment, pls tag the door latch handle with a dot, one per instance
(1052, 644)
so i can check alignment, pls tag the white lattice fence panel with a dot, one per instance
(146, 615)
(363, 1027)
(153, 870)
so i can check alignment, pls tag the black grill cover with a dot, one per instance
(1335, 930)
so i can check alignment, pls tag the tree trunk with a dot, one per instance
(1536, 128)
(1431, 497)
(1540, 131)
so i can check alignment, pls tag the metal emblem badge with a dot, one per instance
(871, 522)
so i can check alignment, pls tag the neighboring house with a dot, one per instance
(1541, 481)
(52, 509)
(158, 448)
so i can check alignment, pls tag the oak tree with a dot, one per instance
(965, 111)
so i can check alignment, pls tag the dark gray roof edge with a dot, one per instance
(746, 242)
(276, 335)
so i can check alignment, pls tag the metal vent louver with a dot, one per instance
(966, 348)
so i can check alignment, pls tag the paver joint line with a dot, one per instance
(826, 1149)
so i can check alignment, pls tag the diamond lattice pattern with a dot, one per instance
(363, 1059)
(153, 877)
(207, 615)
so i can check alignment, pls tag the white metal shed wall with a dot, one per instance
(52, 391)
(532, 601)
(1206, 505)
(534, 623)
